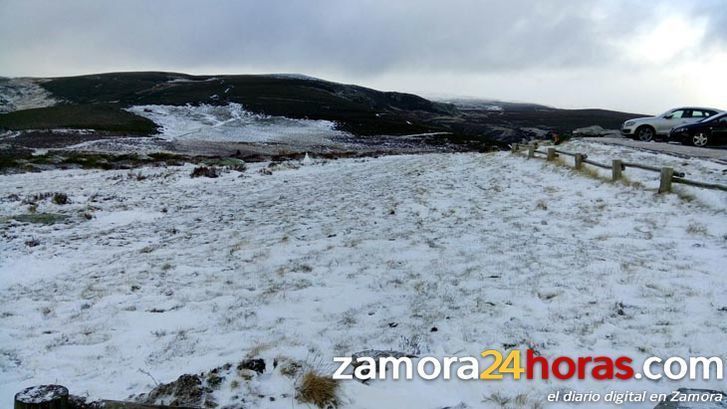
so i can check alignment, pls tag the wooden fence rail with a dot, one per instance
(667, 175)
(699, 184)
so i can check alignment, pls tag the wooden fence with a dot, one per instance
(668, 175)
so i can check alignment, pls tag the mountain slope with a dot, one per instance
(100, 102)
(359, 110)
(525, 115)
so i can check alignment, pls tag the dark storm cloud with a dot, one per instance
(363, 37)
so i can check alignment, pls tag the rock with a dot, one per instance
(257, 365)
(461, 405)
(187, 390)
(81, 402)
(42, 396)
(596, 130)
(681, 400)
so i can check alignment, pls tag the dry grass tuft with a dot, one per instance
(586, 170)
(318, 390)
(590, 172)
(697, 229)
(521, 401)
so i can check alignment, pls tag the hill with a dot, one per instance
(359, 110)
(100, 102)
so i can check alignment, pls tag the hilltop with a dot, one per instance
(258, 116)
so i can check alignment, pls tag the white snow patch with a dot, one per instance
(125, 217)
(27, 268)
(233, 123)
(190, 80)
(23, 93)
(295, 76)
(115, 145)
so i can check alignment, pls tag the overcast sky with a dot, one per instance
(633, 55)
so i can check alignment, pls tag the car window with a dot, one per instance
(714, 118)
(678, 114)
(699, 114)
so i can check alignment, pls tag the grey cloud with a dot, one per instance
(715, 12)
(365, 38)
(561, 45)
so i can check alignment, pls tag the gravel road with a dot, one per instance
(718, 154)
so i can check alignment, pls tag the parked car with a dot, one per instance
(710, 131)
(646, 129)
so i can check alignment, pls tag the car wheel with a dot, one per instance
(700, 139)
(645, 133)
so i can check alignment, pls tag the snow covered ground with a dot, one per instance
(23, 93)
(233, 123)
(695, 168)
(716, 154)
(174, 275)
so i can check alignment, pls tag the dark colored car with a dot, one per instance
(710, 131)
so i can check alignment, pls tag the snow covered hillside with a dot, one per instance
(233, 123)
(22, 93)
(152, 273)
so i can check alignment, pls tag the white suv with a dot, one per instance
(646, 129)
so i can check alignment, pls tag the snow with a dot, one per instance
(295, 76)
(233, 123)
(191, 80)
(41, 394)
(694, 168)
(595, 130)
(176, 275)
(23, 93)
(124, 217)
(123, 144)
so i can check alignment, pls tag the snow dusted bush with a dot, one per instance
(205, 171)
(60, 198)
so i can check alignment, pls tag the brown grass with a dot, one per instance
(318, 390)
(697, 229)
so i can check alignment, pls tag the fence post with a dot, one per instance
(579, 161)
(551, 154)
(665, 181)
(616, 169)
(515, 148)
(531, 150)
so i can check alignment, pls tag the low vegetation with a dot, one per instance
(100, 117)
(318, 390)
(205, 171)
(60, 199)
(37, 218)
(24, 160)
